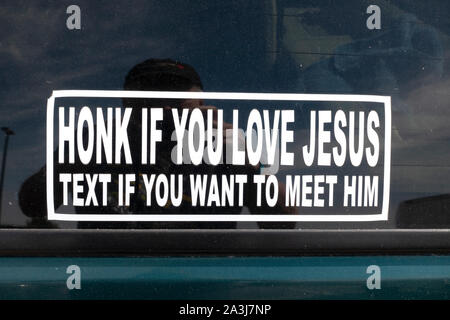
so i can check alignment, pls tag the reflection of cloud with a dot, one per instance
(26, 158)
(32, 31)
(421, 152)
(429, 105)
(21, 23)
(38, 53)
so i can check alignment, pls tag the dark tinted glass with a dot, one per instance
(398, 50)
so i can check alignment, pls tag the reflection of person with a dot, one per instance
(155, 75)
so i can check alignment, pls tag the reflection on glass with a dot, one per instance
(244, 46)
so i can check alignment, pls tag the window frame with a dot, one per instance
(121, 242)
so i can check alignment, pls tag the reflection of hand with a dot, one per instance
(280, 207)
(228, 137)
(249, 169)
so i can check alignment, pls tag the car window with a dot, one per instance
(277, 114)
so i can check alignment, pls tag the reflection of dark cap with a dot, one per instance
(162, 74)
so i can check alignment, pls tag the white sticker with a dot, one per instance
(360, 138)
